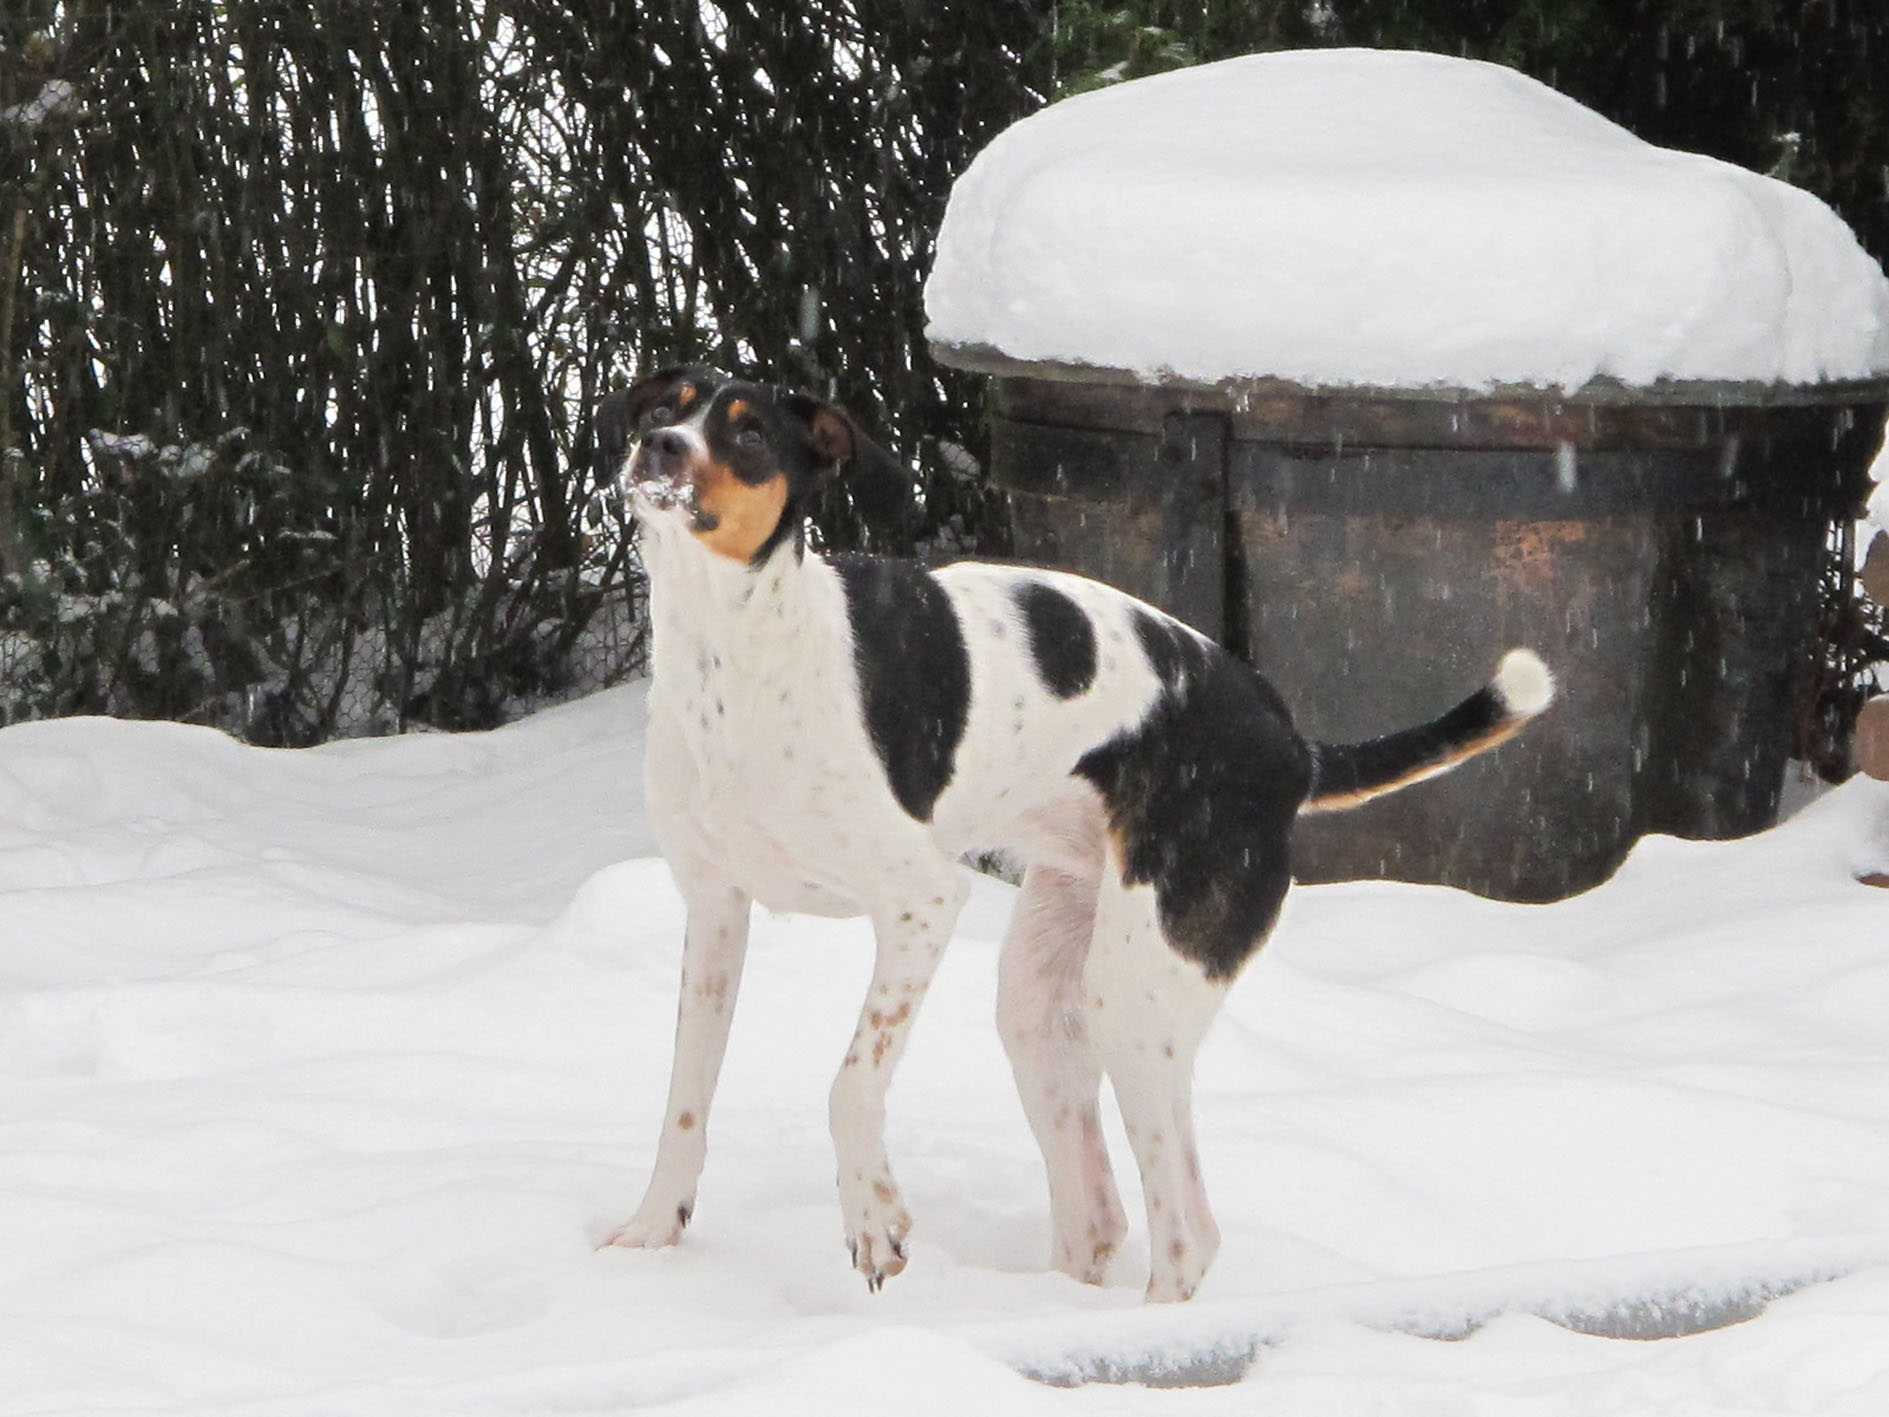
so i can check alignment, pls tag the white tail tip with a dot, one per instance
(1524, 682)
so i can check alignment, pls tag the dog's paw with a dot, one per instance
(650, 1228)
(1173, 1277)
(878, 1246)
(1085, 1244)
(1087, 1262)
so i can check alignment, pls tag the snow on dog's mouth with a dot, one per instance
(653, 493)
(657, 491)
(662, 494)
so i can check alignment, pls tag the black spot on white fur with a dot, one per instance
(914, 674)
(1201, 796)
(1062, 641)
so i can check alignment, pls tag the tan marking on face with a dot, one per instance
(737, 410)
(735, 518)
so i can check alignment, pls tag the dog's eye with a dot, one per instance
(659, 417)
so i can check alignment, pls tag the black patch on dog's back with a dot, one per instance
(914, 674)
(1201, 797)
(1062, 641)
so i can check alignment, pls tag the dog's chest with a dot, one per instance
(760, 747)
(751, 720)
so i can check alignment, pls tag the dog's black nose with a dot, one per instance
(666, 441)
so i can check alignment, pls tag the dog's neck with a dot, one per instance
(701, 602)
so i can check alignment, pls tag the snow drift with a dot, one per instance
(321, 1074)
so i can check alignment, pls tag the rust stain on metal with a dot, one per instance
(1871, 744)
(1876, 569)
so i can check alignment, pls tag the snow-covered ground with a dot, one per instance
(1363, 217)
(322, 1072)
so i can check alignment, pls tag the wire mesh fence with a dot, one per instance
(198, 582)
(303, 308)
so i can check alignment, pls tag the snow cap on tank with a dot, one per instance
(1348, 218)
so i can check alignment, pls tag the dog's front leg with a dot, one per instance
(714, 945)
(910, 938)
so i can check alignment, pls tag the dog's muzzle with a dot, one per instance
(659, 471)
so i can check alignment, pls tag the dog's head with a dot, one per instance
(740, 464)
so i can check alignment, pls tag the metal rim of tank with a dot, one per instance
(1602, 414)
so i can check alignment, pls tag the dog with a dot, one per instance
(832, 734)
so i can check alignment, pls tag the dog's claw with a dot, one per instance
(651, 1228)
(878, 1256)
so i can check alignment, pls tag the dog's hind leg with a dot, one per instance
(910, 936)
(1041, 1018)
(1149, 1008)
(715, 943)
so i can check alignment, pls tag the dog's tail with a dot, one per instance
(1347, 774)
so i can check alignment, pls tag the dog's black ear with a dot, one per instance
(613, 428)
(876, 483)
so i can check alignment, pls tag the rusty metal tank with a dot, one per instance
(1374, 553)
